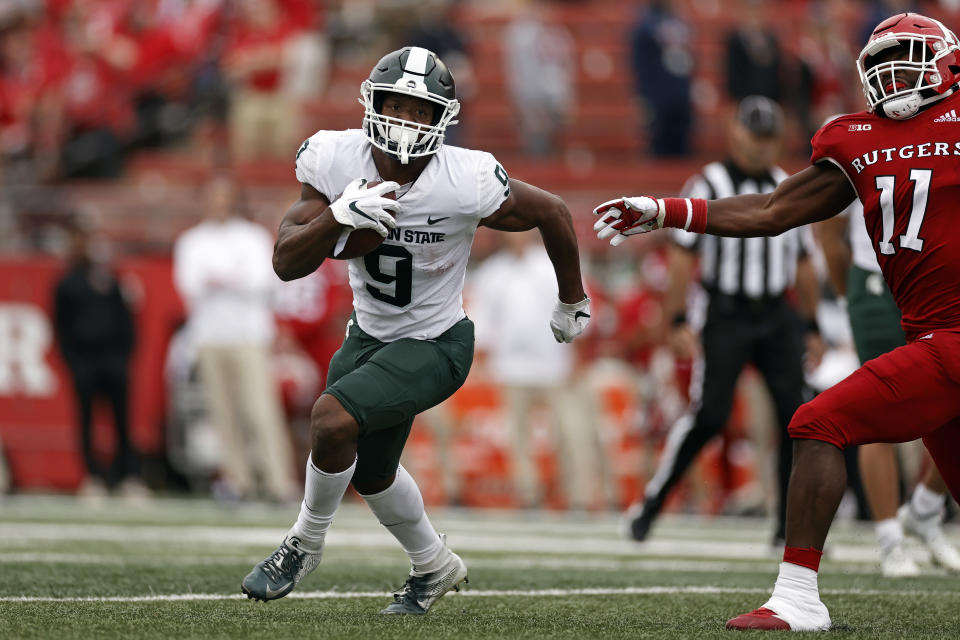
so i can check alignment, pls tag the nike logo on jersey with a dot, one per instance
(926, 337)
(949, 116)
(356, 209)
(580, 314)
(432, 220)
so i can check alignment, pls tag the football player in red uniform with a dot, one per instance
(901, 157)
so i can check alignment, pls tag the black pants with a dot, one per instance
(104, 377)
(737, 331)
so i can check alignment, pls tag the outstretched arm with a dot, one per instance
(529, 207)
(816, 193)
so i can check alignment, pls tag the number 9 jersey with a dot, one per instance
(907, 175)
(411, 286)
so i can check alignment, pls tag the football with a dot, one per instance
(360, 242)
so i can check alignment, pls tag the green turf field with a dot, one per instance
(172, 569)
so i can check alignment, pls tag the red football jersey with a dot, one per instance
(907, 175)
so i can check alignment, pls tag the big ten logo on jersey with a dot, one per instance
(25, 339)
(412, 236)
(860, 127)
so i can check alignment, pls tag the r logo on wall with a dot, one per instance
(25, 339)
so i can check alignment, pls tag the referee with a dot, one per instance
(748, 320)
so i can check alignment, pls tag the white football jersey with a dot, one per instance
(411, 286)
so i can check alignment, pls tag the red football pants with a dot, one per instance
(912, 392)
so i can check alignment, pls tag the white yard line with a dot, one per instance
(504, 593)
(166, 537)
(52, 509)
(366, 558)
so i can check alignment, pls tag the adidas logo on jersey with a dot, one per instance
(949, 116)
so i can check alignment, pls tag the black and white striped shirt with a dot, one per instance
(756, 268)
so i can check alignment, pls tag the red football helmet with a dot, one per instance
(930, 51)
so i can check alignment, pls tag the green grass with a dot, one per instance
(71, 555)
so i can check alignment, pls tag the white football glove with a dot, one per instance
(362, 208)
(569, 320)
(624, 217)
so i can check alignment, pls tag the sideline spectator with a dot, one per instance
(753, 56)
(222, 270)
(660, 45)
(94, 96)
(31, 63)
(260, 122)
(540, 64)
(95, 333)
(307, 58)
(826, 65)
(513, 290)
(436, 29)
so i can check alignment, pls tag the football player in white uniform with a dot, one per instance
(409, 344)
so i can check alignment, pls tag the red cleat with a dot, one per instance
(761, 618)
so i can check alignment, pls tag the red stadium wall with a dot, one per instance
(37, 417)
(40, 437)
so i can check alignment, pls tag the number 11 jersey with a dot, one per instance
(411, 286)
(907, 175)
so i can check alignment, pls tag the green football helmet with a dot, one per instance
(417, 72)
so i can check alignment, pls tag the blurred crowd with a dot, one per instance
(86, 84)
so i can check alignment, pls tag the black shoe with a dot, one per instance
(637, 521)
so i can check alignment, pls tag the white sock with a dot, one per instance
(794, 581)
(796, 599)
(889, 533)
(321, 496)
(925, 502)
(399, 508)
